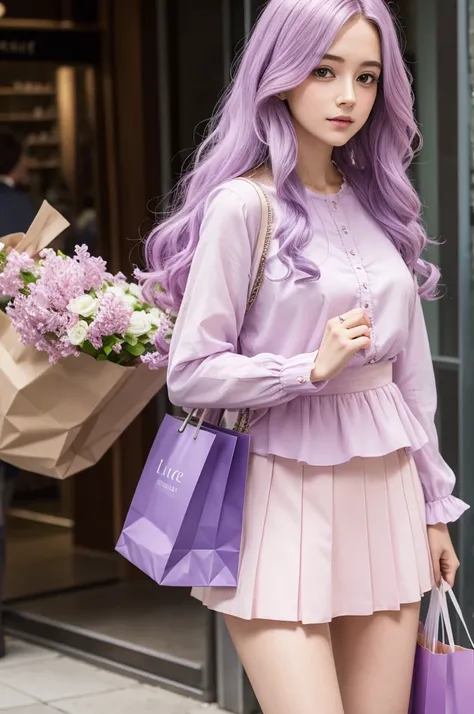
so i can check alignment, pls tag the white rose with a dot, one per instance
(130, 300)
(135, 290)
(117, 290)
(140, 323)
(2, 247)
(85, 306)
(78, 333)
(156, 316)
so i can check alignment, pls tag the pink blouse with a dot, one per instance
(384, 400)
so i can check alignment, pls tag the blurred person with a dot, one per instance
(16, 214)
(16, 207)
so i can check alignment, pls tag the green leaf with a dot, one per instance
(28, 277)
(135, 350)
(101, 358)
(110, 340)
(61, 254)
(129, 340)
(88, 348)
(125, 358)
(107, 350)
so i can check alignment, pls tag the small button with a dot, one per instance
(301, 380)
(353, 252)
(365, 286)
(358, 267)
(372, 361)
(334, 203)
(366, 305)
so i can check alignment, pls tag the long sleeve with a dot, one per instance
(205, 369)
(414, 375)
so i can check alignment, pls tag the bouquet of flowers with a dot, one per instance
(66, 306)
(79, 352)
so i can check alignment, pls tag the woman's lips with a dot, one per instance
(340, 122)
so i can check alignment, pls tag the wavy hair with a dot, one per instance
(251, 127)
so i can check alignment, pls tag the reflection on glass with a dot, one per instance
(52, 111)
(471, 79)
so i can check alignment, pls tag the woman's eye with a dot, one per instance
(368, 79)
(323, 73)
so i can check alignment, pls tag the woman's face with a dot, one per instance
(343, 86)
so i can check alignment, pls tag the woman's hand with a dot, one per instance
(341, 340)
(443, 555)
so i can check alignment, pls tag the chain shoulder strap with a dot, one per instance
(262, 245)
(259, 259)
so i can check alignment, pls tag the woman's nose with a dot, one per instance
(347, 97)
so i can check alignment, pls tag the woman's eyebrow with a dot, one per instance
(368, 63)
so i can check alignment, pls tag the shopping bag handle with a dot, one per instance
(438, 611)
(193, 414)
(448, 589)
(432, 621)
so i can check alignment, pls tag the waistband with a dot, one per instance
(359, 379)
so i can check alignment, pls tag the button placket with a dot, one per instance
(364, 293)
(351, 252)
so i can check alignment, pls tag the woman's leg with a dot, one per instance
(374, 660)
(290, 666)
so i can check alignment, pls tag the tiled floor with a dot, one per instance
(34, 680)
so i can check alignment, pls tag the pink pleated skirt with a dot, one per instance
(321, 542)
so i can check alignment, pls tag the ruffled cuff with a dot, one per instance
(446, 510)
(295, 375)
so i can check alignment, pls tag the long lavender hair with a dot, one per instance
(251, 127)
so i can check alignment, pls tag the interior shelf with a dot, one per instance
(39, 165)
(26, 118)
(48, 142)
(10, 92)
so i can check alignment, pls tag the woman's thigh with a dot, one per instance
(374, 659)
(290, 666)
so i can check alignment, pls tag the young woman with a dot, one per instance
(348, 497)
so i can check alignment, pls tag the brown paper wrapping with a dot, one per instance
(57, 420)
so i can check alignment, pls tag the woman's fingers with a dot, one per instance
(358, 331)
(360, 343)
(437, 572)
(354, 318)
(449, 564)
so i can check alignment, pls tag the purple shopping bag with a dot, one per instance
(443, 678)
(184, 525)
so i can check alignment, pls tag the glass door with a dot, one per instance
(442, 43)
(51, 108)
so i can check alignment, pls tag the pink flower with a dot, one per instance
(155, 360)
(113, 317)
(41, 327)
(11, 278)
(159, 357)
(40, 314)
(63, 278)
(94, 269)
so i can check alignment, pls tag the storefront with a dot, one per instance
(154, 73)
(443, 80)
